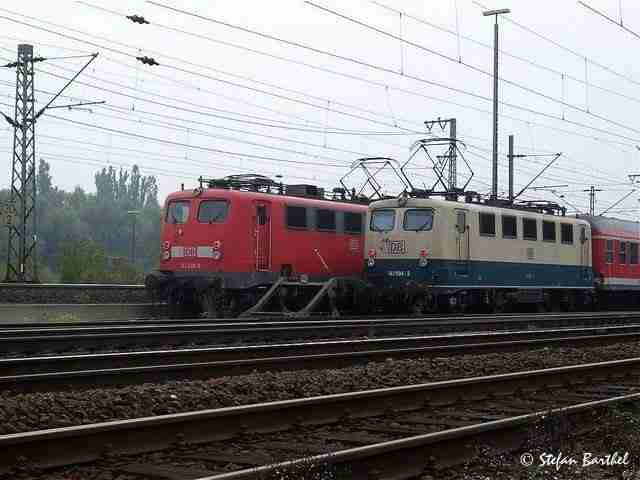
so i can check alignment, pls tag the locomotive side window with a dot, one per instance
(261, 214)
(487, 224)
(383, 220)
(213, 211)
(418, 220)
(608, 251)
(296, 217)
(326, 220)
(178, 212)
(566, 233)
(529, 229)
(352, 222)
(548, 231)
(509, 227)
(623, 253)
(633, 253)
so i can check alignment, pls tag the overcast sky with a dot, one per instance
(221, 109)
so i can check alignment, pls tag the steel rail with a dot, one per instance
(407, 458)
(71, 445)
(102, 370)
(437, 320)
(19, 341)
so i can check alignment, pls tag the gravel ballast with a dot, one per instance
(609, 450)
(35, 411)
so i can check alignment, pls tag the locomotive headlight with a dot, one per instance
(216, 250)
(372, 257)
(166, 255)
(166, 245)
(423, 261)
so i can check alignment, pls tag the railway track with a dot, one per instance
(64, 372)
(390, 433)
(22, 340)
(552, 319)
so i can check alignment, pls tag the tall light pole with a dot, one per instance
(494, 175)
(134, 214)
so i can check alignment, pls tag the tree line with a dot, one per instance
(87, 237)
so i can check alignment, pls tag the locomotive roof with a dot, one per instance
(613, 226)
(438, 203)
(243, 195)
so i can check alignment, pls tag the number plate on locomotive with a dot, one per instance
(393, 247)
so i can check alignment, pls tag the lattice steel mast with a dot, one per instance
(22, 265)
(21, 258)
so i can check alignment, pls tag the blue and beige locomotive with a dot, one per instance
(437, 255)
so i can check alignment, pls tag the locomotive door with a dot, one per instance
(463, 251)
(262, 234)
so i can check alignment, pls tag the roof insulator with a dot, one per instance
(11, 121)
(148, 60)
(137, 19)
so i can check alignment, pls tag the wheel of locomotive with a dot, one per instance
(213, 303)
(501, 303)
(423, 303)
(183, 304)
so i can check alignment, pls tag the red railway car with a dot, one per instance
(615, 260)
(225, 243)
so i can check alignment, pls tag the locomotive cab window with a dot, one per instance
(178, 212)
(383, 220)
(418, 220)
(623, 253)
(633, 253)
(487, 222)
(529, 229)
(608, 251)
(213, 211)
(509, 227)
(296, 217)
(352, 222)
(548, 231)
(566, 233)
(326, 220)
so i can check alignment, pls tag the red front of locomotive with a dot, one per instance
(202, 233)
(218, 242)
(245, 233)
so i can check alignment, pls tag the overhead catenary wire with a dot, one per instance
(506, 53)
(391, 71)
(467, 106)
(474, 68)
(134, 55)
(559, 45)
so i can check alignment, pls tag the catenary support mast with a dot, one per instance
(22, 265)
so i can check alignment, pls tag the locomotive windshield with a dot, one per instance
(418, 220)
(178, 212)
(383, 220)
(212, 211)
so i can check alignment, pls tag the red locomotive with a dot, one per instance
(615, 260)
(225, 243)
